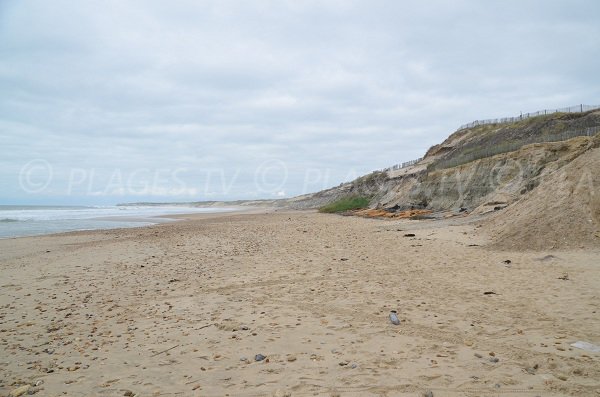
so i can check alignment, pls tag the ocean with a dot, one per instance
(18, 221)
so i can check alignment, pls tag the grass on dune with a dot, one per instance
(346, 204)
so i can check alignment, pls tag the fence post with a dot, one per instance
(581, 106)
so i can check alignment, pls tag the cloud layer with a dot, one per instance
(189, 100)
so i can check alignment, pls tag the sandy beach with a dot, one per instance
(295, 303)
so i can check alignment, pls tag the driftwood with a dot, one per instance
(164, 351)
(171, 348)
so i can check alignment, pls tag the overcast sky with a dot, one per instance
(113, 101)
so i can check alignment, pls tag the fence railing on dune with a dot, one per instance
(506, 120)
(402, 165)
(510, 147)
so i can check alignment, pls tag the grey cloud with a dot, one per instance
(222, 87)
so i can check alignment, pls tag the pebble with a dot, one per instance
(494, 359)
(259, 357)
(291, 358)
(428, 393)
(478, 355)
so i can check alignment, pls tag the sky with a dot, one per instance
(128, 101)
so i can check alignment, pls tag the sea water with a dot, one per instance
(17, 221)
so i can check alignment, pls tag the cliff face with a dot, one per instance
(490, 168)
(563, 211)
(489, 182)
(464, 171)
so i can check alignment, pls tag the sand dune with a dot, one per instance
(562, 212)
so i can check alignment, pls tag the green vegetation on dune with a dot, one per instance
(346, 204)
(488, 140)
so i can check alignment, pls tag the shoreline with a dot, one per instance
(147, 221)
(185, 307)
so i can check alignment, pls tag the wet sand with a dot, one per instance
(184, 308)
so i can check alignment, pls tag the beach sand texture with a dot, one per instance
(184, 309)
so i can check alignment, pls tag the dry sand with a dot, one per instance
(562, 212)
(182, 309)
